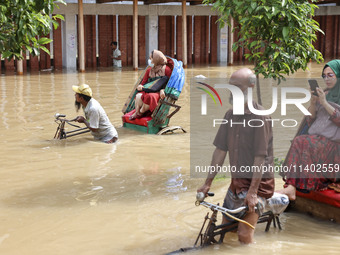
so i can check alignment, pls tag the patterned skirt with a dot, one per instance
(313, 161)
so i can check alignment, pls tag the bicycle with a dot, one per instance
(61, 133)
(214, 234)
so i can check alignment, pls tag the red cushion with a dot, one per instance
(327, 196)
(140, 122)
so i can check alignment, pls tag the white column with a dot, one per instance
(20, 66)
(230, 42)
(81, 55)
(151, 37)
(69, 42)
(222, 46)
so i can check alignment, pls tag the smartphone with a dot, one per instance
(313, 84)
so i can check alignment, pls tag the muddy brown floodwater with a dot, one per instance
(78, 196)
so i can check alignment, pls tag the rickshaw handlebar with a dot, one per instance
(200, 201)
(58, 115)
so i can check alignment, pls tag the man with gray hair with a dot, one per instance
(249, 147)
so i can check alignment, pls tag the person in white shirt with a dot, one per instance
(116, 55)
(95, 117)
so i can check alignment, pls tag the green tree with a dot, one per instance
(278, 34)
(23, 23)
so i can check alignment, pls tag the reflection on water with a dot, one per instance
(78, 196)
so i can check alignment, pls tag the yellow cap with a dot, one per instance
(83, 89)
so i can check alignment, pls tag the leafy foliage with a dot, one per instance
(278, 33)
(23, 23)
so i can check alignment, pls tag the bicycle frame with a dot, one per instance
(214, 234)
(61, 133)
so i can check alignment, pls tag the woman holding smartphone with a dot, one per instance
(314, 158)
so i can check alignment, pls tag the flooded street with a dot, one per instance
(78, 196)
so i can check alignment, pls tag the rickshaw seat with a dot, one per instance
(160, 117)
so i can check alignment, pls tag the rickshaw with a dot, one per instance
(158, 122)
(210, 233)
(323, 204)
